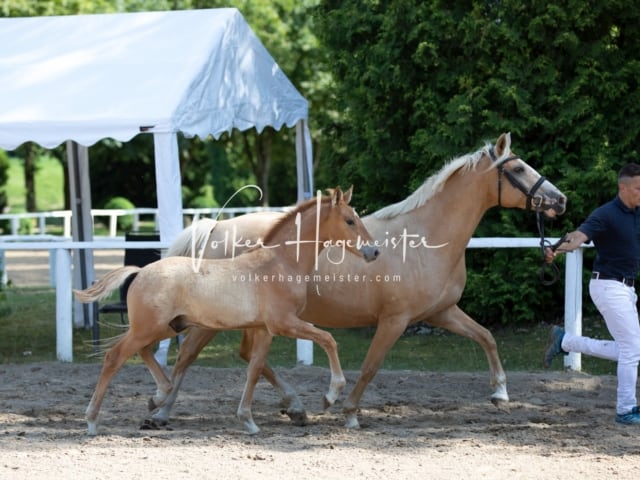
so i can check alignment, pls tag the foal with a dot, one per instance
(264, 287)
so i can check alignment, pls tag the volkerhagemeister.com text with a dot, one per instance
(315, 278)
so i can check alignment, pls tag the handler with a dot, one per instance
(614, 229)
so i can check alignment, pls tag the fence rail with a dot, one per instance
(51, 219)
(61, 269)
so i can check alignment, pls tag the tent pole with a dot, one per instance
(81, 227)
(168, 185)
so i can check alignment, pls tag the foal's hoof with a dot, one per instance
(151, 424)
(298, 418)
(151, 405)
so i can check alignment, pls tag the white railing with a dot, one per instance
(44, 219)
(62, 272)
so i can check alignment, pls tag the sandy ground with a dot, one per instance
(415, 425)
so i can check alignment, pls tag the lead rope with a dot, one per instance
(549, 272)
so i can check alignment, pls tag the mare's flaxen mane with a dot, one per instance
(435, 183)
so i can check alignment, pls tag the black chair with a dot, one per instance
(133, 256)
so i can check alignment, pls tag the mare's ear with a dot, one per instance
(503, 144)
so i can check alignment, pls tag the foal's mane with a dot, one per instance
(435, 182)
(300, 208)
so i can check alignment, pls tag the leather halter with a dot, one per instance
(532, 200)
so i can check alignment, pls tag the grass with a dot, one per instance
(28, 334)
(49, 180)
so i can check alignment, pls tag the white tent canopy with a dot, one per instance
(88, 77)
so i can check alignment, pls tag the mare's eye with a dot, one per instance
(350, 222)
(518, 170)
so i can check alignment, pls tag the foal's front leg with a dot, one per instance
(261, 344)
(290, 401)
(294, 327)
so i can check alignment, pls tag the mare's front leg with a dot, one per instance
(261, 344)
(456, 321)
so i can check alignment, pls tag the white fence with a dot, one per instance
(62, 273)
(44, 219)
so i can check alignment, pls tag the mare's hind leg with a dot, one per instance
(387, 333)
(164, 386)
(290, 401)
(456, 321)
(261, 343)
(190, 348)
(124, 349)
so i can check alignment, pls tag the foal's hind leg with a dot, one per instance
(124, 349)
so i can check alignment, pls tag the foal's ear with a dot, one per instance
(336, 195)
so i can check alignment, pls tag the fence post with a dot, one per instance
(573, 303)
(304, 349)
(64, 323)
(53, 272)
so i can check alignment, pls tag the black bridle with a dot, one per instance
(533, 203)
(532, 200)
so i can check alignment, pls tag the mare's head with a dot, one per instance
(343, 226)
(520, 185)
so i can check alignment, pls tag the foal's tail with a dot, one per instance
(103, 287)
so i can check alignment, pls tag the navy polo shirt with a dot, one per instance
(614, 229)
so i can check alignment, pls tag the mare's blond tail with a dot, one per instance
(195, 234)
(103, 287)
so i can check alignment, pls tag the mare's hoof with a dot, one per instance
(501, 404)
(151, 405)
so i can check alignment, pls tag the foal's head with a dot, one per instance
(343, 226)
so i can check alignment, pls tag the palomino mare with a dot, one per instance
(445, 210)
(261, 288)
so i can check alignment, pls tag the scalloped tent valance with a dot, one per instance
(88, 77)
